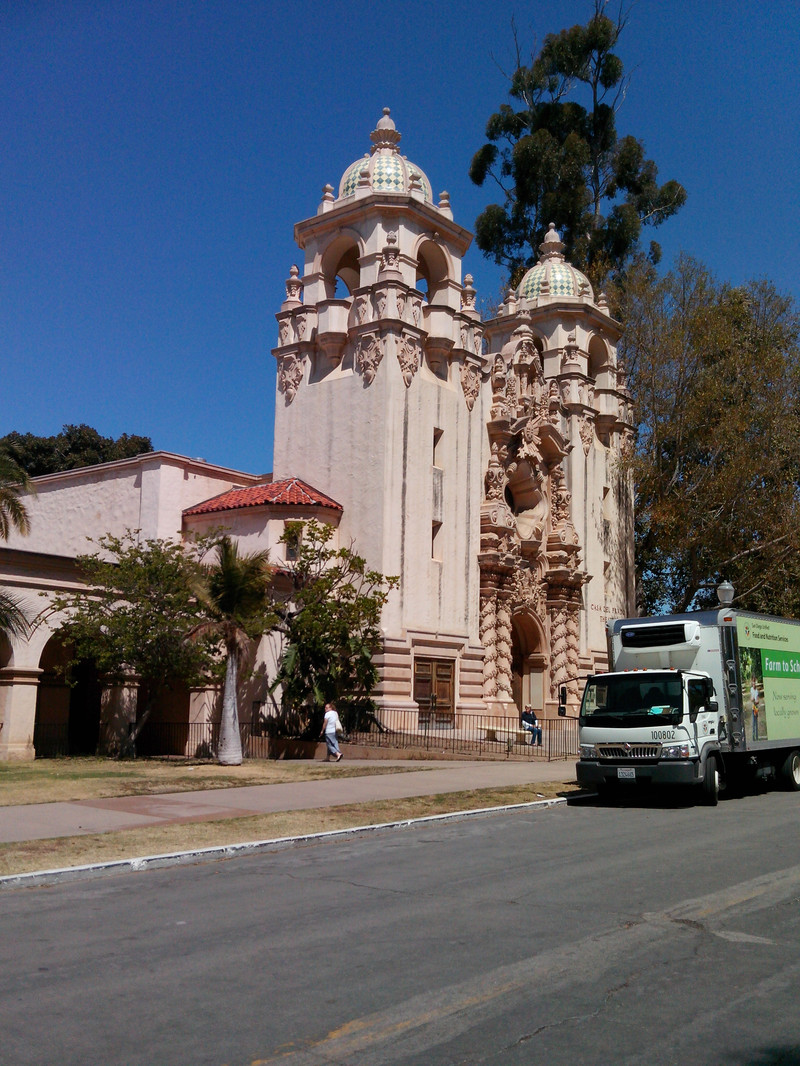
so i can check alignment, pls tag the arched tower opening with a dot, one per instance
(341, 268)
(598, 357)
(433, 271)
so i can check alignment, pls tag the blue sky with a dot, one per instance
(154, 157)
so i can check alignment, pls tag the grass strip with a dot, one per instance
(60, 852)
(86, 778)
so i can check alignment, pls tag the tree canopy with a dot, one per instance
(73, 447)
(556, 156)
(330, 620)
(714, 371)
(135, 617)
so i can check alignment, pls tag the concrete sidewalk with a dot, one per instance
(44, 820)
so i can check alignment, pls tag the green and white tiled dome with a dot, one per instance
(387, 170)
(553, 275)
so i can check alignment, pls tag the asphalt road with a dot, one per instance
(575, 935)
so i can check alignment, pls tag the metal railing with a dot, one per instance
(470, 734)
(460, 734)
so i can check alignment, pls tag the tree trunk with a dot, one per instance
(229, 750)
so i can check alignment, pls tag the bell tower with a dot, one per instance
(381, 404)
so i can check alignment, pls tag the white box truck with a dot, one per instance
(709, 699)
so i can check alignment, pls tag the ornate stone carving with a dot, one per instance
(586, 430)
(488, 635)
(504, 647)
(477, 338)
(527, 591)
(416, 309)
(301, 323)
(401, 304)
(409, 355)
(559, 651)
(495, 481)
(470, 384)
(368, 355)
(560, 496)
(293, 287)
(554, 404)
(468, 294)
(362, 308)
(391, 254)
(284, 331)
(290, 374)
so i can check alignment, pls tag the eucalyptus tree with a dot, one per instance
(555, 155)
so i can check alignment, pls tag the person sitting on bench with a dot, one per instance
(529, 724)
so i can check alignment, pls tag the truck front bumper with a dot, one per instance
(592, 772)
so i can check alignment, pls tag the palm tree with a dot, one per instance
(13, 620)
(13, 482)
(234, 595)
(13, 515)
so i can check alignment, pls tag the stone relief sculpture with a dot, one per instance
(470, 384)
(409, 355)
(495, 480)
(290, 374)
(586, 431)
(368, 356)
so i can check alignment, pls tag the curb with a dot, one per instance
(39, 878)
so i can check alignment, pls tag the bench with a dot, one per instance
(508, 736)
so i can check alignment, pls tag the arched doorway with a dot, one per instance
(528, 662)
(67, 709)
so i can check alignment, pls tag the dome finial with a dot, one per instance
(552, 247)
(385, 135)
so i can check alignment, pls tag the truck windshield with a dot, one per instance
(632, 700)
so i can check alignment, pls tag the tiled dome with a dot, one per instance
(553, 275)
(388, 170)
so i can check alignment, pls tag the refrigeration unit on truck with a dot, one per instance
(698, 699)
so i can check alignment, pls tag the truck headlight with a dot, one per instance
(675, 751)
(588, 751)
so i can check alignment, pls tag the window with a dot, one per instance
(435, 529)
(292, 545)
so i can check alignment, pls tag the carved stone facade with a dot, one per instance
(479, 461)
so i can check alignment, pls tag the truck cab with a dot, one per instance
(651, 726)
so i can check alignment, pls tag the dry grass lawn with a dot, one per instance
(63, 780)
(106, 847)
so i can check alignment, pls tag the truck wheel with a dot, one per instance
(790, 772)
(710, 784)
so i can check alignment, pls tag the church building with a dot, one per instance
(479, 461)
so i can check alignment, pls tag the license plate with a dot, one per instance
(626, 773)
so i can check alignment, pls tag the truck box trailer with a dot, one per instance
(707, 699)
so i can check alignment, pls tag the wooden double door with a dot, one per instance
(434, 691)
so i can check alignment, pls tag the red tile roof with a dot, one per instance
(291, 492)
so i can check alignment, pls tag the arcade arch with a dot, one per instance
(67, 718)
